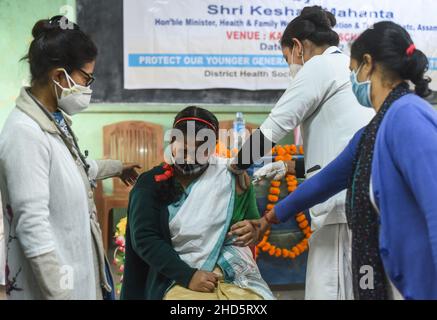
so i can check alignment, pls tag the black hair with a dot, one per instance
(193, 111)
(169, 191)
(387, 43)
(314, 24)
(58, 43)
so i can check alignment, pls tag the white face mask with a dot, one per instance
(74, 99)
(294, 67)
(168, 155)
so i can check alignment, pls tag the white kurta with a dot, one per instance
(321, 101)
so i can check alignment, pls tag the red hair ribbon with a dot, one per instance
(196, 119)
(168, 173)
(410, 50)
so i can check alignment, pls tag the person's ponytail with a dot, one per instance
(414, 69)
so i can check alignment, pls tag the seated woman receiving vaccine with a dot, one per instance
(187, 237)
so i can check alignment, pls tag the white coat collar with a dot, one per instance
(26, 104)
(330, 50)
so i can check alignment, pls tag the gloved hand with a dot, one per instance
(275, 170)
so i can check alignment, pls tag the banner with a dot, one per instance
(202, 44)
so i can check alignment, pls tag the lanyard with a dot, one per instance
(72, 147)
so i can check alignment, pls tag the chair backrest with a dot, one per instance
(133, 141)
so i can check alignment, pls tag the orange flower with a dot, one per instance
(301, 149)
(275, 183)
(272, 198)
(279, 158)
(292, 183)
(303, 224)
(262, 243)
(280, 151)
(272, 250)
(291, 189)
(270, 206)
(307, 230)
(266, 247)
(295, 250)
(278, 252)
(274, 190)
(290, 179)
(287, 157)
(300, 218)
(220, 147)
(300, 247)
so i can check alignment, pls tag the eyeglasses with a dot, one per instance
(89, 76)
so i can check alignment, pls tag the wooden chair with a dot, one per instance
(129, 141)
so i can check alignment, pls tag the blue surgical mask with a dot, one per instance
(361, 89)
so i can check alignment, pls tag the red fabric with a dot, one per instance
(196, 119)
(168, 173)
(410, 50)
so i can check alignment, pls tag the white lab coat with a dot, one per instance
(321, 101)
(2, 248)
(48, 206)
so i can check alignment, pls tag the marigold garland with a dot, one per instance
(285, 153)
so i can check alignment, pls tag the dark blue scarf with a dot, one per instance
(362, 217)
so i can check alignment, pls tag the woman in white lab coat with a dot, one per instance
(2, 250)
(320, 100)
(54, 244)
